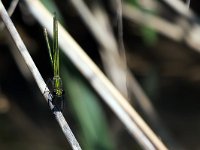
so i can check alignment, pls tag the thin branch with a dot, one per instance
(130, 118)
(38, 78)
(12, 7)
(10, 11)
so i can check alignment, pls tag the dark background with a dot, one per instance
(168, 71)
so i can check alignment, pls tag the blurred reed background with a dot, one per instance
(137, 43)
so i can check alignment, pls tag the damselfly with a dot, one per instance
(57, 90)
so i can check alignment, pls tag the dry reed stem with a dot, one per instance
(127, 114)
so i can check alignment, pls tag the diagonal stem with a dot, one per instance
(38, 78)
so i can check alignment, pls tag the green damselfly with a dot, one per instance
(57, 90)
